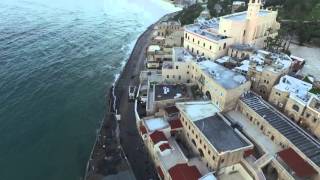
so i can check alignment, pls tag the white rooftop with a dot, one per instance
(223, 59)
(181, 54)
(175, 156)
(276, 62)
(295, 86)
(208, 176)
(156, 124)
(198, 110)
(153, 48)
(227, 78)
(245, 64)
(208, 29)
(242, 16)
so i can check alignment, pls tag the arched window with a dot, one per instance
(295, 107)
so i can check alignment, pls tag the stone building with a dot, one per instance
(203, 128)
(212, 38)
(219, 84)
(297, 155)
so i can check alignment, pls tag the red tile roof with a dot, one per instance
(158, 136)
(171, 110)
(248, 152)
(184, 172)
(297, 163)
(175, 124)
(164, 146)
(160, 172)
(143, 129)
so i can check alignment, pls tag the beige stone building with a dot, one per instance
(288, 86)
(265, 69)
(156, 55)
(212, 38)
(292, 97)
(210, 134)
(305, 111)
(217, 83)
(166, 28)
(293, 153)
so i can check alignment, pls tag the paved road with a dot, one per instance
(130, 139)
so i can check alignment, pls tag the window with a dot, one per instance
(177, 67)
(222, 161)
(213, 158)
(196, 136)
(192, 131)
(204, 44)
(186, 35)
(209, 152)
(198, 42)
(200, 141)
(244, 32)
(308, 115)
(210, 47)
(197, 51)
(224, 45)
(173, 76)
(204, 146)
(179, 77)
(295, 107)
(314, 120)
(167, 76)
(193, 40)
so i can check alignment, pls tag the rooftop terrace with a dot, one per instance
(297, 136)
(165, 92)
(223, 76)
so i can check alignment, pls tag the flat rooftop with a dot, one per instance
(165, 92)
(227, 78)
(198, 110)
(294, 86)
(175, 156)
(208, 29)
(296, 135)
(181, 54)
(154, 124)
(220, 134)
(242, 16)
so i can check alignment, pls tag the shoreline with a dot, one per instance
(108, 156)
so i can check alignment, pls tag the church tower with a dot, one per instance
(254, 7)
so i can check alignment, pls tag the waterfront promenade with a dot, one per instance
(119, 150)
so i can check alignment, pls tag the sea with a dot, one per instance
(58, 59)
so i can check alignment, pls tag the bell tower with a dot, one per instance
(253, 9)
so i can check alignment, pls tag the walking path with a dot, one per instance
(129, 159)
